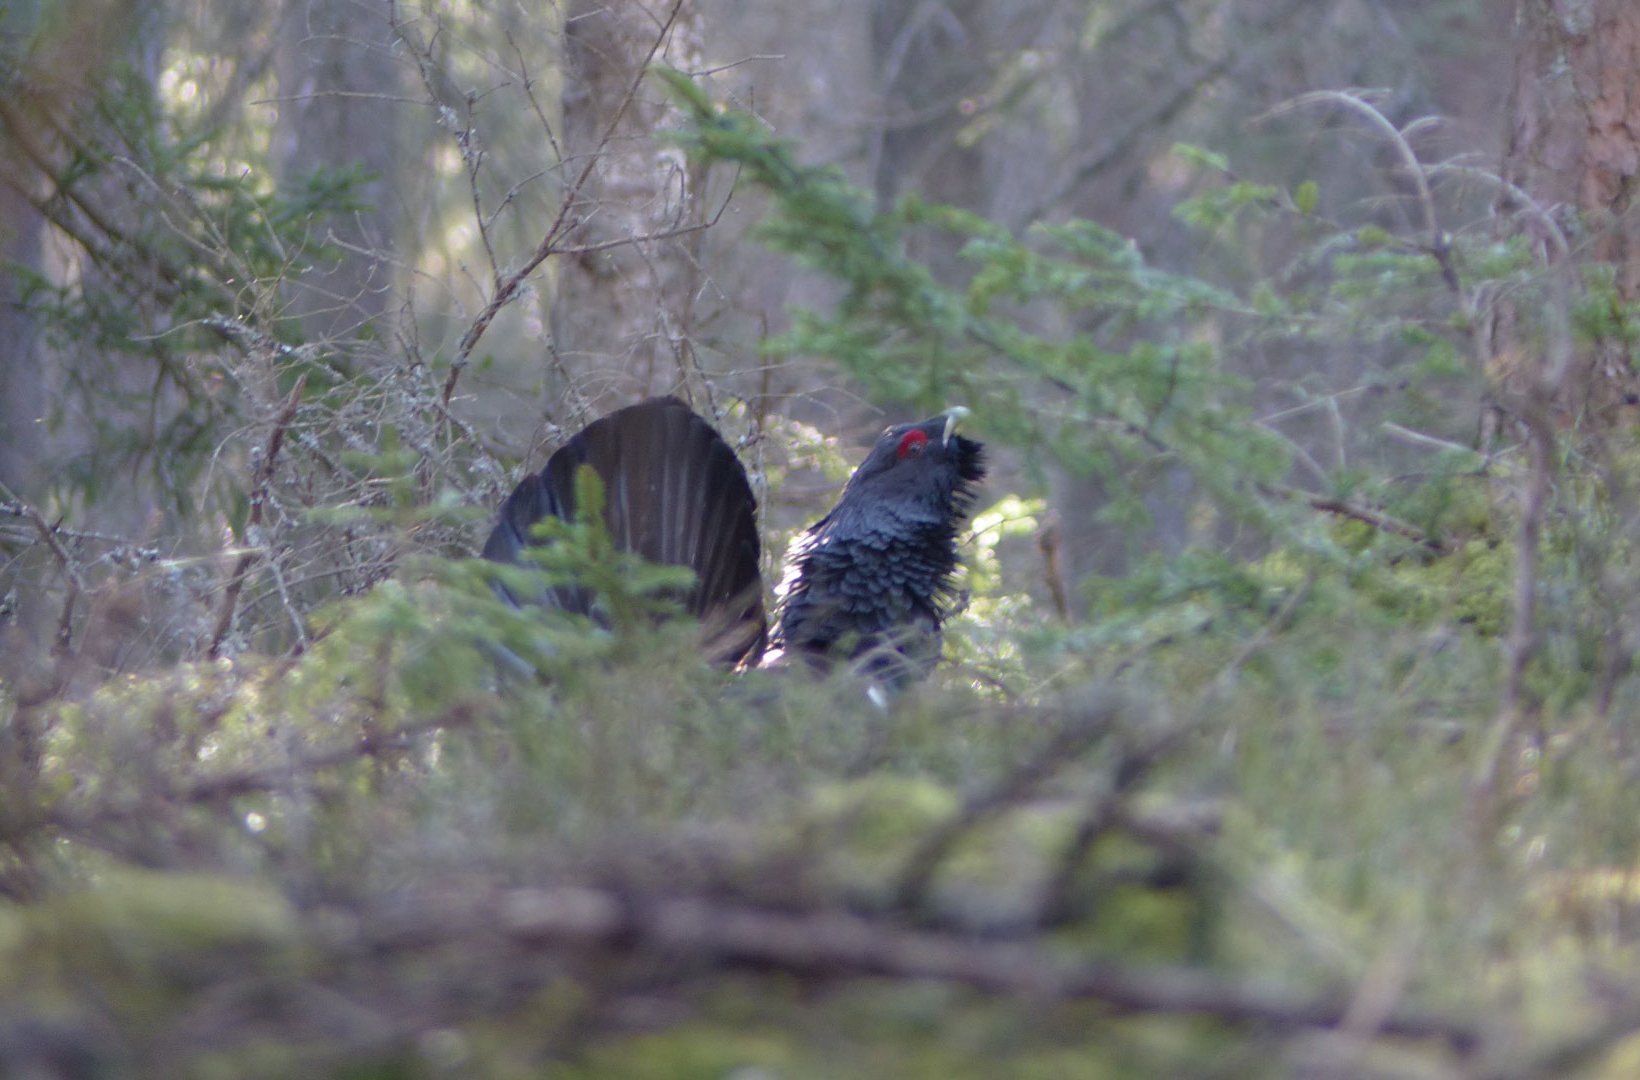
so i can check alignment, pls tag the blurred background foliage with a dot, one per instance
(1287, 730)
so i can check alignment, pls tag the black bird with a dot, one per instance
(869, 584)
(674, 493)
(872, 581)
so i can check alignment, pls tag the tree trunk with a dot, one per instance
(1574, 147)
(338, 109)
(621, 316)
(1576, 120)
(22, 374)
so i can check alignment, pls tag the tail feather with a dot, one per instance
(674, 493)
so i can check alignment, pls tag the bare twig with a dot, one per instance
(1358, 104)
(1419, 438)
(123, 546)
(1367, 516)
(1437, 243)
(1516, 196)
(260, 484)
(1050, 541)
(71, 572)
(1522, 643)
(506, 288)
(465, 133)
(1543, 385)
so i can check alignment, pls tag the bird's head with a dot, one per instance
(925, 467)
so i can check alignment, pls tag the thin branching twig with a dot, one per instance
(507, 286)
(261, 482)
(48, 535)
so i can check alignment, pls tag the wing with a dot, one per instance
(674, 493)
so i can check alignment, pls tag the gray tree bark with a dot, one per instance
(339, 87)
(622, 316)
(1575, 135)
(1574, 146)
(22, 373)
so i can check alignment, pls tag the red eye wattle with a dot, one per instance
(912, 442)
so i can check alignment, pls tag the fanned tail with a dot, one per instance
(674, 493)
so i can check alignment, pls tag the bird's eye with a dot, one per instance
(911, 444)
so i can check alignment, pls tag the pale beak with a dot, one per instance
(953, 416)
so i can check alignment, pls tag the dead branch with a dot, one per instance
(260, 483)
(506, 288)
(1522, 643)
(1377, 519)
(71, 572)
(1050, 542)
(838, 945)
(124, 548)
